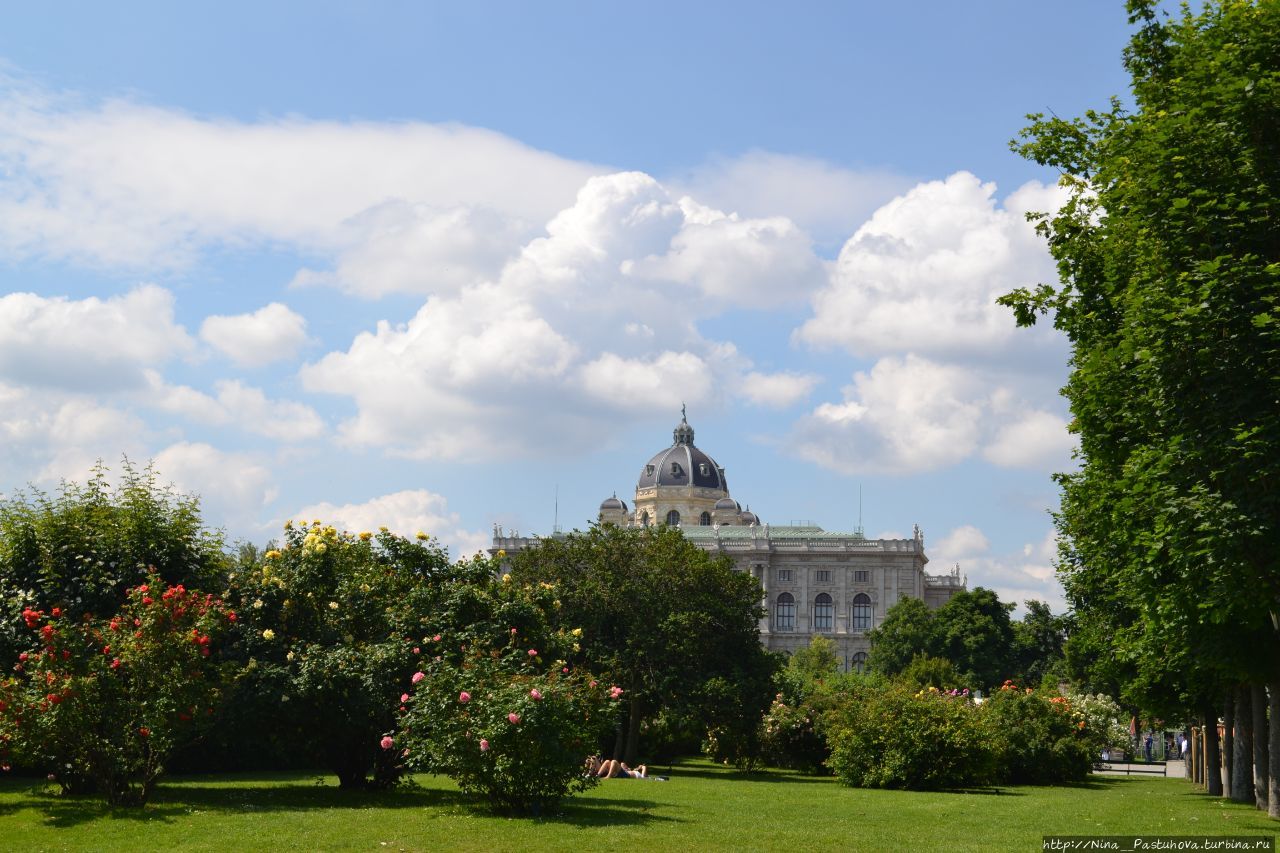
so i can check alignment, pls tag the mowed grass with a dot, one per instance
(703, 807)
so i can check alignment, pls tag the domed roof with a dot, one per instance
(682, 464)
(613, 503)
(749, 518)
(727, 503)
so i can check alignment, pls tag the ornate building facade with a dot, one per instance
(813, 581)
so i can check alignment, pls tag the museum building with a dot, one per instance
(814, 581)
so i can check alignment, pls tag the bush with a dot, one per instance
(104, 703)
(893, 737)
(790, 738)
(333, 624)
(1042, 738)
(502, 712)
(79, 550)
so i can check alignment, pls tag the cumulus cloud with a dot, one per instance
(407, 513)
(239, 405)
(1033, 439)
(591, 322)
(234, 487)
(124, 184)
(271, 333)
(88, 344)
(905, 414)
(777, 390)
(1016, 576)
(827, 201)
(922, 275)
(913, 414)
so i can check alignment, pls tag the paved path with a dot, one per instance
(1174, 769)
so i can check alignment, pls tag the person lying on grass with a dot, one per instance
(611, 768)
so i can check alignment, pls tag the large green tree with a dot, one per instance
(1168, 251)
(674, 626)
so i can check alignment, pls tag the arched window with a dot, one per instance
(862, 612)
(784, 614)
(673, 519)
(859, 662)
(644, 519)
(705, 519)
(823, 612)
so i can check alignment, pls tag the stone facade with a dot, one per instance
(813, 581)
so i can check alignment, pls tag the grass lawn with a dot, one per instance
(703, 807)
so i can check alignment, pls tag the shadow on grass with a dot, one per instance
(693, 771)
(170, 803)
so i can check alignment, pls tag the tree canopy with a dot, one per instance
(675, 626)
(1168, 250)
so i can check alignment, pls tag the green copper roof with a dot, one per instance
(772, 531)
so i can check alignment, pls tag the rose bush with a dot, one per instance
(332, 625)
(107, 701)
(498, 704)
(893, 736)
(1043, 738)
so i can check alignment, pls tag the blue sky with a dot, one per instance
(431, 265)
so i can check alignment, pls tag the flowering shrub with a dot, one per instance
(501, 710)
(107, 701)
(1043, 738)
(81, 548)
(896, 737)
(1104, 723)
(790, 736)
(331, 625)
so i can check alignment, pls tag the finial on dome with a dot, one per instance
(683, 433)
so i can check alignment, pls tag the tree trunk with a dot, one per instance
(1212, 757)
(1229, 742)
(1273, 763)
(633, 733)
(1189, 755)
(1242, 760)
(1261, 766)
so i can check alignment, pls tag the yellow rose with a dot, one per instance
(365, 536)
(422, 537)
(577, 632)
(268, 634)
(502, 554)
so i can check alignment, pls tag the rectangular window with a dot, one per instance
(823, 576)
(861, 576)
(784, 575)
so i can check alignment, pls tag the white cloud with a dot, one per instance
(922, 275)
(121, 183)
(1036, 439)
(234, 488)
(906, 414)
(271, 333)
(88, 344)
(237, 404)
(828, 201)
(405, 512)
(777, 390)
(1015, 577)
(579, 330)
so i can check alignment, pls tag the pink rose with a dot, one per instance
(484, 745)
(565, 670)
(404, 697)
(534, 694)
(593, 682)
(418, 676)
(436, 638)
(615, 692)
(387, 742)
(533, 653)
(464, 697)
(417, 651)
(513, 630)
(513, 718)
